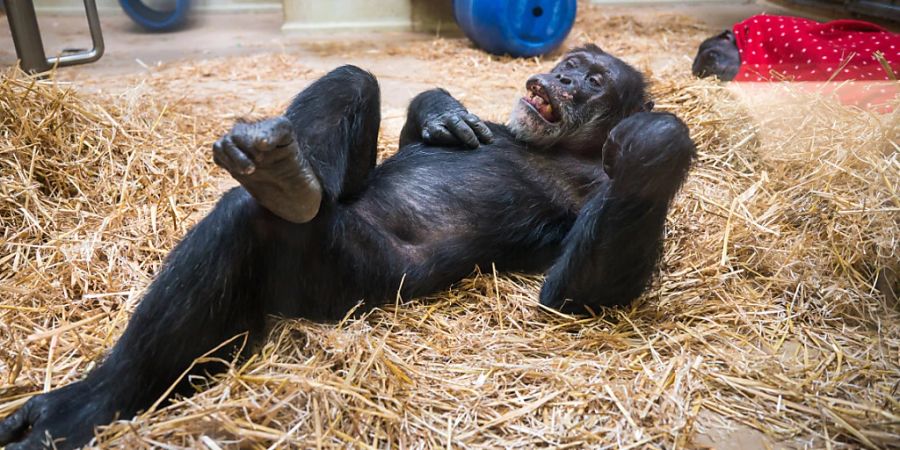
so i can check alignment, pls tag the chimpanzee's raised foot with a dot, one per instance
(266, 159)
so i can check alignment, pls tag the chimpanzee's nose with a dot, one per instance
(563, 79)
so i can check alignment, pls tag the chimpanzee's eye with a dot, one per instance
(570, 64)
(596, 79)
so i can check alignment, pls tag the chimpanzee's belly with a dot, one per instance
(451, 209)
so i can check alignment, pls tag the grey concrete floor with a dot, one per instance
(130, 50)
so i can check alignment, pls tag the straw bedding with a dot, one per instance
(773, 319)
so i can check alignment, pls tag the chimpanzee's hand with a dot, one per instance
(436, 118)
(66, 417)
(455, 127)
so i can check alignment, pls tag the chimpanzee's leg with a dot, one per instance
(228, 272)
(203, 296)
(611, 252)
(339, 111)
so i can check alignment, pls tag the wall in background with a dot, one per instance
(77, 6)
(275, 5)
(308, 15)
(371, 15)
(337, 15)
(322, 15)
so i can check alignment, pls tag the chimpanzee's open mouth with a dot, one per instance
(539, 101)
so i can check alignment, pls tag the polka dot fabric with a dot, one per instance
(776, 48)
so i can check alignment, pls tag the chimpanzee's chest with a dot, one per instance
(493, 181)
(570, 180)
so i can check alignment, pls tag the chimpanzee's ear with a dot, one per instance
(645, 107)
(727, 35)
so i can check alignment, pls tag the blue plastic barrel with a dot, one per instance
(516, 27)
(154, 19)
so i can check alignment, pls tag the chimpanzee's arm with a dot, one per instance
(612, 250)
(435, 117)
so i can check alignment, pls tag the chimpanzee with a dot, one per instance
(718, 56)
(577, 184)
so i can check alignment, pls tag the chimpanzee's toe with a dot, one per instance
(264, 136)
(14, 426)
(62, 419)
(250, 145)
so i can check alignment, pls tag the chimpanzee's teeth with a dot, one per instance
(541, 104)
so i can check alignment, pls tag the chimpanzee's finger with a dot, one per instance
(437, 134)
(15, 425)
(480, 128)
(240, 161)
(462, 131)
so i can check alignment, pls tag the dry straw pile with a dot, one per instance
(774, 317)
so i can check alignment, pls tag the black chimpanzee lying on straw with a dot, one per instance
(578, 185)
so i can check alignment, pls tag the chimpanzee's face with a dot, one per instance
(579, 101)
(718, 56)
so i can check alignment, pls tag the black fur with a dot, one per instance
(718, 56)
(298, 245)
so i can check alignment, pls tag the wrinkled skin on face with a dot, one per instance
(574, 107)
(718, 56)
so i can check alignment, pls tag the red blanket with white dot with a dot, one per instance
(776, 48)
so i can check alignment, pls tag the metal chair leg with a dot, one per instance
(30, 47)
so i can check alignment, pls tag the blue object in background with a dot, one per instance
(153, 19)
(516, 27)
